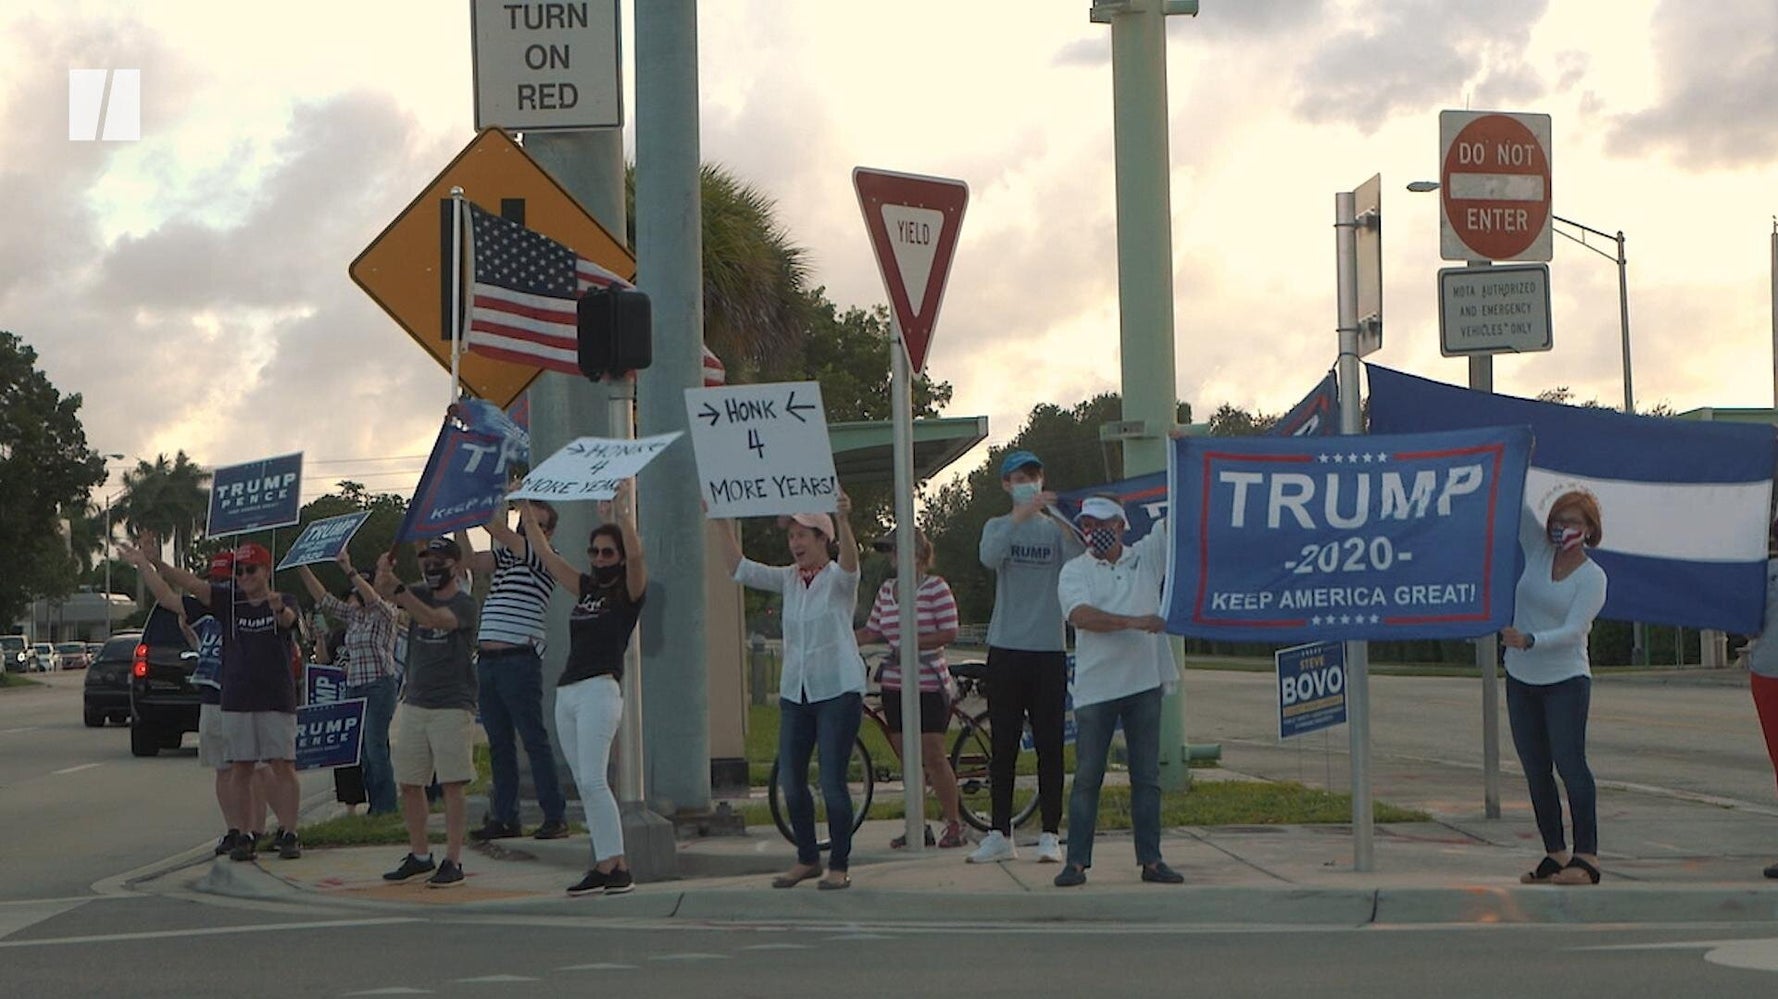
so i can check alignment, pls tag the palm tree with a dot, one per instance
(170, 498)
(755, 303)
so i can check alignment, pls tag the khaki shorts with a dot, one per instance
(212, 741)
(251, 736)
(428, 741)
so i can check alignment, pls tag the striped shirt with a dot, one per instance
(935, 610)
(517, 597)
(370, 638)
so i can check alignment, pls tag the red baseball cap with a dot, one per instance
(222, 565)
(253, 553)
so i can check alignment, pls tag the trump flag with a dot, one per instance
(1345, 538)
(1685, 504)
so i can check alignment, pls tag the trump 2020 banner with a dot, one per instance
(477, 450)
(256, 495)
(1345, 538)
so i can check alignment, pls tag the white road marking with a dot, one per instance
(209, 932)
(862, 936)
(689, 957)
(17, 731)
(598, 967)
(1749, 955)
(397, 990)
(74, 770)
(17, 916)
(495, 979)
(777, 946)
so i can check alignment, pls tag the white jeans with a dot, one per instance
(587, 715)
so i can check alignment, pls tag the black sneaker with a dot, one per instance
(411, 867)
(551, 829)
(1071, 877)
(496, 830)
(289, 847)
(245, 847)
(448, 875)
(1159, 873)
(619, 882)
(226, 844)
(592, 884)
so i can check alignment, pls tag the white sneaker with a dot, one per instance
(1049, 849)
(995, 847)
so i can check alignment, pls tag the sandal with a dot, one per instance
(1546, 869)
(829, 884)
(792, 879)
(1578, 872)
(901, 842)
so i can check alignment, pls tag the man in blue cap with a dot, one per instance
(1027, 665)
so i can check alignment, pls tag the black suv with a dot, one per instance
(164, 703)
(107, 695)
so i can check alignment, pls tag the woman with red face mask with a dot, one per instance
(1549, 681)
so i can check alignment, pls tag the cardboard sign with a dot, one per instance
(256, 495)
(329, 735)
(591, 468)
(762, 449)
(322, 540)
(1311, 688)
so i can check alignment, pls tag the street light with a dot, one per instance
(1623, 279)
(108, 457)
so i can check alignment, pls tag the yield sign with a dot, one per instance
(913, 222)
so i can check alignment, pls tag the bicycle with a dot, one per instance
(971, 751)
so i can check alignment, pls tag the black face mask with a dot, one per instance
(607, 575)
(437, 578)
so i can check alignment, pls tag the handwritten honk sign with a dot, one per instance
(762, 449)
(590, 468)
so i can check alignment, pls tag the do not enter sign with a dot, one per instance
(1494, 186)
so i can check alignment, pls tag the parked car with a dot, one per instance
(71, 655)
(107, 694)
(164, 704)
(15, 651)
(43, 657)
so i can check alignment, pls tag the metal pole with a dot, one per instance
(669, 241)
(456, 291)
(1623, 313)
(1487, 648)
(906, 593)
(629, 733)
(1775, 312)
(1358, 709)
(107, 568)
(1145, 277)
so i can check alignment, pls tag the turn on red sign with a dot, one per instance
(1494, 186)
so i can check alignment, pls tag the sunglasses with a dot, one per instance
(246, 570)
(598, 552)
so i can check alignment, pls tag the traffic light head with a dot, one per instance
(616, 334)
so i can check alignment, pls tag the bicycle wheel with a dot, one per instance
(860, 779)
(971, 750)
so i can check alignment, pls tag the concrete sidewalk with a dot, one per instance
(1667, 857)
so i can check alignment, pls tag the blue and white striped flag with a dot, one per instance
(1686, 505)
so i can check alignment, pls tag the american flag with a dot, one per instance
(714, 373)
(523, 294)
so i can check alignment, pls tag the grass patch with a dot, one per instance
(762, 748)
(389, 830)
(8, 679)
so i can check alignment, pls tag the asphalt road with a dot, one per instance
(77, 808)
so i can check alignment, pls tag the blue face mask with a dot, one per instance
(1025, 492)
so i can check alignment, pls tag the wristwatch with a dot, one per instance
(1530, 640)
(400, 588)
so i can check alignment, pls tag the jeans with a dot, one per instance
(1549, 723)
(1020, 685)
(379, 773)
(511, 697)
(1094, 724)
(830, 727)
(587, 715)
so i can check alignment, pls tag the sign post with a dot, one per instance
(913, 223)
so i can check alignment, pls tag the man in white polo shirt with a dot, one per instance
(1123, 665)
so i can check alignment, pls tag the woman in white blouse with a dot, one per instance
(821, 694)
(1549, 682)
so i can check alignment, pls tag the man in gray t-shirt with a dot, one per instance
(1027, 665)
(435, 724)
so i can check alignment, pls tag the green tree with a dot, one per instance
(45, 468)
(375, 536)
(170, 498)
(755, 308)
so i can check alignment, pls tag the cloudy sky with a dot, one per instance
(192, 285)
